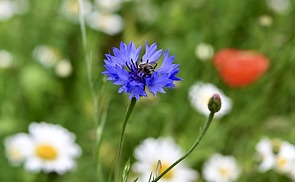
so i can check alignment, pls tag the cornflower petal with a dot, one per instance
(118, 74)
(167, 66)
(173, 75)
(132, 52)
(119, 58)
(120, 55)
(157, 82)
(122, 76)
(136, 90)
(151, 55)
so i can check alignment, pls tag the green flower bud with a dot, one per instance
(276, 145)
(214, 104)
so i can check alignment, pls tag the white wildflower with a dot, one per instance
(265, 151)
(54, 149)
(167, 152)
(204, 51)
(63, 68)
(221, 168)
(108, 23)
(17, 148)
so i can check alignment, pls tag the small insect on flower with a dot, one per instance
(146, 68)
(135, 75)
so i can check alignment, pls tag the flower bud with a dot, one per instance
(214, 104)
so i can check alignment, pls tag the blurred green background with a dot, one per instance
(31, 90)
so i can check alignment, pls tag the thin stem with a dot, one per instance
(99, 132)
(99, 125)
(119, 154)
(88, 60)
(203, 132)
(82, 23)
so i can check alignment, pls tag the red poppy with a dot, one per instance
(240, 68)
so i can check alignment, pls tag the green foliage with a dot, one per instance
(126, 171)
(30, 91)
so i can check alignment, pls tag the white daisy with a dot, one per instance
(221, 168)
(6, 59)
(266, 156)
(17, 148)
(54, 149)
(200, 94)
(167, 152)
(285, 160)
(108, 23)
(204, 51)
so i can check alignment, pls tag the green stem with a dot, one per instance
(203, 132)
(99, 132)
(119, 154)
(99, 125)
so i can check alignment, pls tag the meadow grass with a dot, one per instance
(89, 105)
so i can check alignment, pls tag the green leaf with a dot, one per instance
(126, 171)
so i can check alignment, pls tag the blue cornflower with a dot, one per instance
(135, 75)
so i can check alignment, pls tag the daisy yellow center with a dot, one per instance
(169, 174)
(281, 162)
(224, 172)
(46, 152)
(74, 7)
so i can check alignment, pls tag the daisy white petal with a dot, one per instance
(265, 150)
(285, 158)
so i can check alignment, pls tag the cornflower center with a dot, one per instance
(140, 71)
(46, 152)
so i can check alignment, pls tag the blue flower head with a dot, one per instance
(135, 75)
